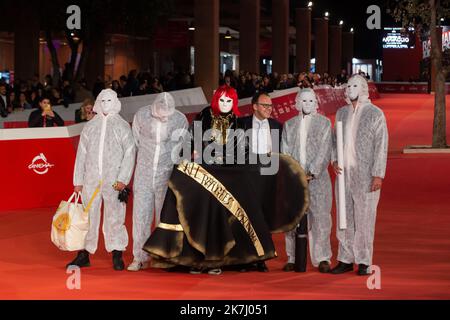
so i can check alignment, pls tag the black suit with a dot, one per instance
(3, 107)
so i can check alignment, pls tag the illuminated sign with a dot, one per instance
(394, 38)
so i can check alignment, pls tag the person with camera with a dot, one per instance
(44, 116)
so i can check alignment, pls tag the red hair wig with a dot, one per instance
(229, 92)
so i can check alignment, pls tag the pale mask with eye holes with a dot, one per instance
(353, 89)
(225, 103)
(107, 103)
(307, 102)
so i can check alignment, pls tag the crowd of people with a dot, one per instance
(248, 83)
(23, 95)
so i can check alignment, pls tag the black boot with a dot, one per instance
(363, 270)
(117, 260)
(82, 260)
(342, 268)
(261, 267)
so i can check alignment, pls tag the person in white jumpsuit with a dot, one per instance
(365, 155)
(307, 138)
(105, 160)
(152, 129)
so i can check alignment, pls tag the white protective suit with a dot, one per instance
(307, 138)
(152, 129)
(106, 152)
(365, 156)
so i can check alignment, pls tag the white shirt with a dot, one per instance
(261, 138)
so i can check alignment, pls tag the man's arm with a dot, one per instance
(136, 128)
(35, 119)
(285, 141)
(58, 120)
(127, 165)
(381, 148)
(80, 161)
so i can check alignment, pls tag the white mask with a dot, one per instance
(357, 89)
(306, 102)
(107, 102)
(225, 103)
(353, 89)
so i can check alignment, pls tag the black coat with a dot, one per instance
(36, 120)
(3, 107)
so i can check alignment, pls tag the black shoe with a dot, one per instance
(342, 268)
(82, 260)
(261, 267)
(244, 267)
(117, 261)
(324, 267)
(363, 270)
(288, 267)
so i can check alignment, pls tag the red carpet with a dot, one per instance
(412, 242)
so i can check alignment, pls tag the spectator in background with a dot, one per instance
(48, 82)
(241, 86)
(68, 93)
(342, 77)
(85, 113)
(155, 86)
(143, 89)
(317, 79)
(4, 101)
(23, 104)
(115, 85)
(283, 82)
(45, 116)
(169, 82)
(99, 85)
(275, 78)
(35, 95)
(123, 86)
(35, 83)
(56, 99)
(12, 102)
(290, 80)
(266, 85)
(303, 81)
(132, 85)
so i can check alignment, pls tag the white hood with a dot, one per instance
(357, 88)
(107, 103)
(163, 106)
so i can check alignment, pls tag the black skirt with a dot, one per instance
(198, 230)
